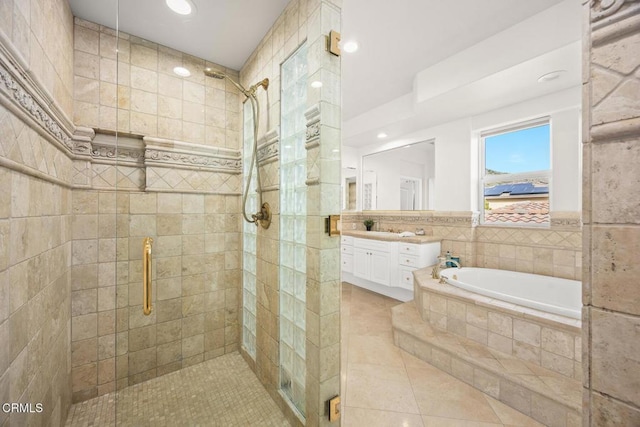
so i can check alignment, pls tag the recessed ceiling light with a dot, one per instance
(382, 135)
(316, 84)
(350, 46)
(182, 72)
(551, 76)
(336, 150)
(181, 7)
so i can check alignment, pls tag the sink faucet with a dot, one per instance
(435, 273)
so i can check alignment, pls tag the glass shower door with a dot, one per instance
(178, 184)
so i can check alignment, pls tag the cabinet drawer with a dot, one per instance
(409, 260)
(346, 249)
(375, 245)
(346, 240)
(409, 248)
(406, 278)
(347, 263)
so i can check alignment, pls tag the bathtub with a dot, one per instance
(549, 294)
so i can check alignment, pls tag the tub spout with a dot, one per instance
(435, 273)
(455, 263)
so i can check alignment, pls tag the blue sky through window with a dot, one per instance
(523, 150)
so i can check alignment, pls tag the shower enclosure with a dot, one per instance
(153, 160)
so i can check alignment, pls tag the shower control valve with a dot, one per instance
(263, 217)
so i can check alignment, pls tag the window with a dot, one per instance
(515, 174)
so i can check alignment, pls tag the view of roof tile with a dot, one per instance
(519, 213)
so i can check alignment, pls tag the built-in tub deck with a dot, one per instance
(505, 351)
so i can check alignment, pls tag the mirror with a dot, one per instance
(349, 192)
(401, 178)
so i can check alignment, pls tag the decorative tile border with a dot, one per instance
(560, 220)
(312, 144)
(313, 123)
(168, 153)
(153, 164)
(571, 220)
(429, 218)
(268, 147)
(603, 9)
(127, 150)
(25, 99)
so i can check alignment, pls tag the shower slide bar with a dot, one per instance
(146, 275)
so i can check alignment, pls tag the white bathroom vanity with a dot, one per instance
(384, 262)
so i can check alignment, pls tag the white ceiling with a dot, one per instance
(403, 44)
(494, 72)
(222, 31)
(402, 37)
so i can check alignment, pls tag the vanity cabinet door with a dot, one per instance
(361, 263)
(380, 267)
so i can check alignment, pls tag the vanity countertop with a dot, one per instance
(390, 237)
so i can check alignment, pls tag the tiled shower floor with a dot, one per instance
(219, 392)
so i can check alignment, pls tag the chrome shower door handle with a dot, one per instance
(146, 275)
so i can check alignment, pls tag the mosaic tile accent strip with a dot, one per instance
(219, 392)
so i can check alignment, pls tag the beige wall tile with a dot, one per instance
(614, 264)
(526, 332)
(558, 342)
(500, 324)
(612, 367)
(84, 327)
(84, 302)
(605, 410)
(142, 361)
(557, 363)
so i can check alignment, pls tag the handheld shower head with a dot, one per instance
(210, 72)
(263, 217)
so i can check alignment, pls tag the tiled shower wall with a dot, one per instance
(189, 204)
(309, 20)
(550, 251)
(195, 292)
(611, 207)
(35, 207)
(138, 91)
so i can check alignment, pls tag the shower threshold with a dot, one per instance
(219, 392)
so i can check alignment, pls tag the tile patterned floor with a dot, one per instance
(381, 386)
(385, 386)
(220, 392)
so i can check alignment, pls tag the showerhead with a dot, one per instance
(210, 72)
(213, 73)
